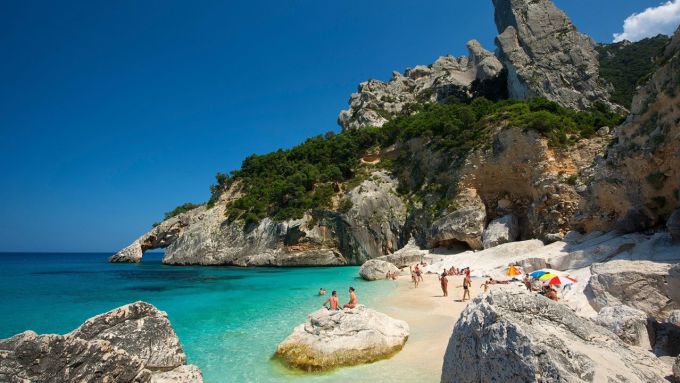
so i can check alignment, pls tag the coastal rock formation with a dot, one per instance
(331, 339)
(501, 230)
(635, 186)
(628, 323)
(133, 343)
(511, 335)
(370, 228)
(638, 284)
(545, 56)
(408, 255)
(465, 224)
(374, 269)
(676, 369)
(377, 102)
(673, 225)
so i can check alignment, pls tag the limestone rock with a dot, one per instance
(407, 255)
(331, 339)
(545, 55)
(673, 225)
(510, 335)
(134, 343)
(376, 102)
(465, 224)
(131, 254)
(676, 369)
(139, 329)
(628, 323)
(638, 284)
(501, 230)
(374, 269)
(673, 288)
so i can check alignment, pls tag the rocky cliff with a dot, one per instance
(635, 185)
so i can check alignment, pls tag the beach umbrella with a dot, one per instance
(546, 277)
(538, 273)
(513, 271)
(563, 281)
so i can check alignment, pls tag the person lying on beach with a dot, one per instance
(353, 301)
(322, 291)
(332, 301)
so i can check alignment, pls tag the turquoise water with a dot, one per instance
(229, 320)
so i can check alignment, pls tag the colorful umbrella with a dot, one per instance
(546, 277)
(538, 273)
(513, 271)
(563, 281)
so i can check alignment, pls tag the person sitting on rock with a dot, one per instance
(353, 301)
(332, 301)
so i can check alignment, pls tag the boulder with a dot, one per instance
(465, 224)
(374, 269)
(673, 225)
(546, 56)
(131, 254)
(676, 369)
(628, 323)
(511, 335)
(501, 230)
(673, 287)
(407, 255)
(638, 284)
(330, 339)
(133, 343)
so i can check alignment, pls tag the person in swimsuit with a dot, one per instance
(466, 287)
(332, 301)
(352, 300)
(414, 277)
(445, 283)
(322, 291)
(419, 273)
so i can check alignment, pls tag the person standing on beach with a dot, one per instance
(353, 301)
(445, 283)
(466, 286)
(414, 277)
(332, 301)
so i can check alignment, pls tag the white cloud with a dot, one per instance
(663, 19)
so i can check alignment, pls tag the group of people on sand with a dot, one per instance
(332, 302)
(392, 275)
(467, 281)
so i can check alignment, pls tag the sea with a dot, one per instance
(229, 320)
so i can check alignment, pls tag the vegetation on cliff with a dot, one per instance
(626, 65)
(286, 183)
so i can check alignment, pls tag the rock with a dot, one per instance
(180, 374)
(546, 56)
(674, 318)
(628, 323)
(466, 224)
(131, 254)
(376, 102)
(331, 339)
(407, 255)
(133, 343)
(139, 329)
(510, 335)
(676, 369)
(673, 225)
(532, 264)
(374, 269)
(501, 230)
(638, 284)
(673, 287)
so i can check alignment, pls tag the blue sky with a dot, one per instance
(112, 113)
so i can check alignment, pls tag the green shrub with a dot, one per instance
(180, 209)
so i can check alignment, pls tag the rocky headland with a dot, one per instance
(133, 343)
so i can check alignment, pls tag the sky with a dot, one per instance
(112, 113)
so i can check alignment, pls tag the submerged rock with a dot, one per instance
(133, 343)
(511, 335)
(628, 323)
(374, 269)
(331, 339)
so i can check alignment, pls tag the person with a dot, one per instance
(485, 285)
(322, 291)
(552, 294)
(466, 286)
(332, 301)
(419, 274)
(414, 277)
(527, 282)
(352, 299)
(445, 283)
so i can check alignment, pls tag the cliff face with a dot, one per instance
(545, 55)
(635, 186)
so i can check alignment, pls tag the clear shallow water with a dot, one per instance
(229, 320)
